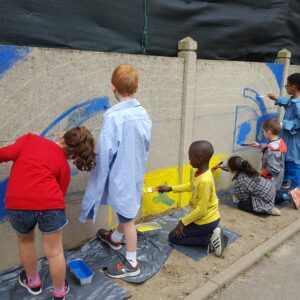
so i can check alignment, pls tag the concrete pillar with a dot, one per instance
(283, 57)
(188, 51)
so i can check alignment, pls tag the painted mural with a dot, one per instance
(247, 126)
(248, 121)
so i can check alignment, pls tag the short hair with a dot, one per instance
(273, 125)
(203, 148)
(294, 79)
(125, 79)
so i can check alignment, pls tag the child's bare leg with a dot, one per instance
(27, 253)
(130, 233)
(53, 249)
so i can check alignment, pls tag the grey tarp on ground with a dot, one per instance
(224, 29)
(102, 287)
(153, 251)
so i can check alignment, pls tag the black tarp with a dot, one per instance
(224, 29)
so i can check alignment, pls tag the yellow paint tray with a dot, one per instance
(148, 228)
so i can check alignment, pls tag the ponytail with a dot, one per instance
(238, 164)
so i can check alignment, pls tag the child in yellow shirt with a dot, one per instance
(200, 226)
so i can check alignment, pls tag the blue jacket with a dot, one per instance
(122, 152)
(291, 127)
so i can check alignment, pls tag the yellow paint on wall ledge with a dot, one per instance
(155, 203)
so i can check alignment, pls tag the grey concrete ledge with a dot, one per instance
(210, 287)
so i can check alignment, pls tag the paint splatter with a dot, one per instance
(9, 55)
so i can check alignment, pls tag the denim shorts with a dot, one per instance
(49, 221)
(123, 219)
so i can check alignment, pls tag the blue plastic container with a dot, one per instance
(81, 271)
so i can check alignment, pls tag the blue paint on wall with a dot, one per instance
(3, 186)
(244, 130)
(79, 113)
(277, 70)
(9, 55)
(255, 97)
(75, 116)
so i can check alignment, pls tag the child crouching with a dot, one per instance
(254, 193)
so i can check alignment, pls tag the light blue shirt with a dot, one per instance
(122, 152)
(291, 127)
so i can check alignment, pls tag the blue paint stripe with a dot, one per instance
(277, 70)
(79, 113)
(249, 93)
(9, 55)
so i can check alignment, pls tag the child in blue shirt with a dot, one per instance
(291, 129)
(118, 178)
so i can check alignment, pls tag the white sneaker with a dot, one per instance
(218, 241)
(275, 212)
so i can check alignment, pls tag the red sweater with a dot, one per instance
(40, 174)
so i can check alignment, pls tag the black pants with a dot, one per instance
(195, 235)
(247, 206)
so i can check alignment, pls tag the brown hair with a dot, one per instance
(125, 79)
(80, 144)
(273, 125)
(238, 164)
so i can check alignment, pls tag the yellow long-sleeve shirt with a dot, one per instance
(204, 201)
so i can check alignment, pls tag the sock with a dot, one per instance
(34, 280)
(286, 197)
(59, 291)
(116, 236)
(131, 257)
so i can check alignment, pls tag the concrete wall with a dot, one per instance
(294, 69)
(228, 107)
(47, 91)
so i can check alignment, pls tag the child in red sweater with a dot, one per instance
(38, 182)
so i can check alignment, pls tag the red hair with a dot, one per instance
(125, 79)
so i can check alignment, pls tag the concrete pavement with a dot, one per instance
(276, 276)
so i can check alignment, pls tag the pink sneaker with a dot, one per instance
(35, 289)
(62, 296)
(295, 194)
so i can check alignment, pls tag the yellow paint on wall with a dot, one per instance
(154, 203)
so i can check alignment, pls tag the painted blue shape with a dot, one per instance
(255, 97)
(244, 130)
(3, 187)
(237, 126)
(75, 116)
(74, 172)
(277, 70)
(79, 113)
(9, 55)
(259, 137)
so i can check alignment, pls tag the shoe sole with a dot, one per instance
(124, 275)
(107, 243)
(29, 290)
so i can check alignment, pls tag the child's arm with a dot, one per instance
(203, 195)
(176, 188)
(11, 152)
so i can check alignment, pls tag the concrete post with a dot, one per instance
(283, 57)
(188, 51)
